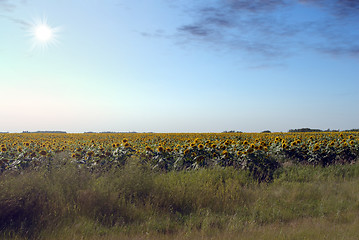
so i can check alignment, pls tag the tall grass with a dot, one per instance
(68, 202)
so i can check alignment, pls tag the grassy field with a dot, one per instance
(135, 202)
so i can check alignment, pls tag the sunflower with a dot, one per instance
(124, 140)
(148, 149)
(3, 149)
(316, 147)
(160, 149)
(90, 153)
(43, 153)
(200, 146)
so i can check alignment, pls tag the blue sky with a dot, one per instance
(179, 66)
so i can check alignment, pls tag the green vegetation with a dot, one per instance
(64, 201)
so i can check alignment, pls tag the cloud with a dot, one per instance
(275, 28)
(6, 5)
(196, 30)
(341, 8)
(23, 24)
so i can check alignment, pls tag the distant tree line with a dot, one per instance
(44, 132)
(319, 130)
(232, 131)
(305, 130)
(111, 132)
(352, 130)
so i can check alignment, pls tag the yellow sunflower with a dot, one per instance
(43, 153)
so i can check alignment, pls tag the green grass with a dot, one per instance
(66, 202)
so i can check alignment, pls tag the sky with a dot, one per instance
(178, 66)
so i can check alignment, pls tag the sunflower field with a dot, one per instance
(259, 153)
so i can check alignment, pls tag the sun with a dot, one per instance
(43, 35)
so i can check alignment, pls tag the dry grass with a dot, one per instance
(65, 202)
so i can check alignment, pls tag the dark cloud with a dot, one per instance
(341, 8)
(255, 6)
(197, 30)
(274, 28)
(341, 50)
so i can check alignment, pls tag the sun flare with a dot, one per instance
(43, 35)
